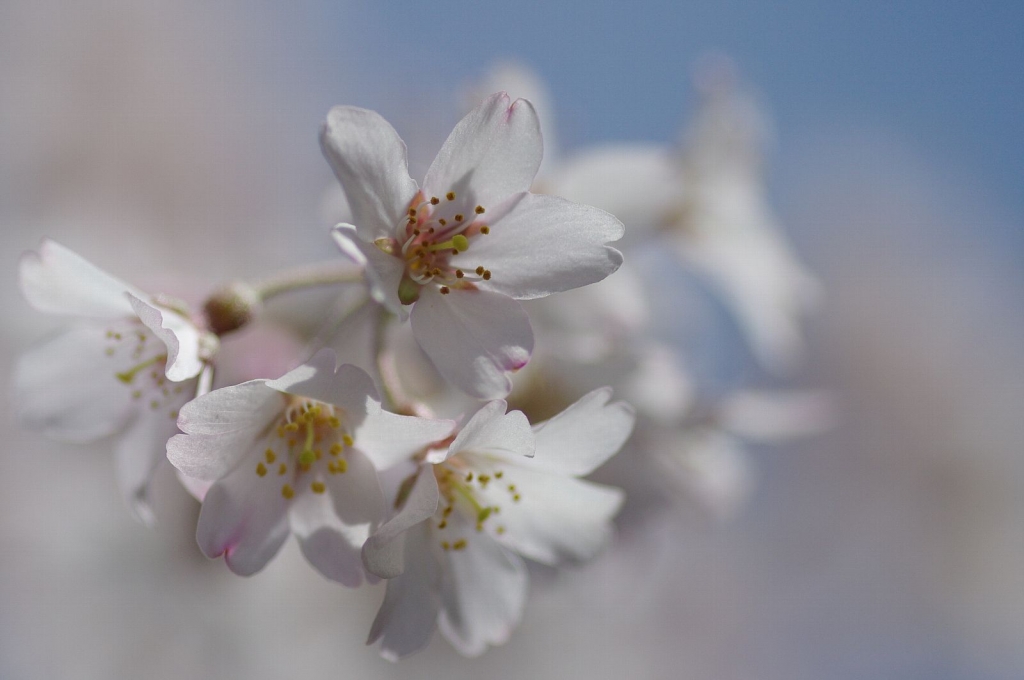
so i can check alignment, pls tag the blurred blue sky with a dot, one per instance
(942, 78)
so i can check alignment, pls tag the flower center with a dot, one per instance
(139, 363)
(434, 232)
(307, 443)
(470, 491)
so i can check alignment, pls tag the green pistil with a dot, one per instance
(458, 242)
(307, 457)
(128, 376)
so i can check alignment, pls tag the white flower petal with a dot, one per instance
(493, 153)
(483, 590)
(244, 517)
(220, 428)
(330, 545)
(357, 496)
(369, 159)
(59, 281)
(179, 335)
(778, 416)
(139, 452)
(65, 389)
(639, 184)
(556, 518)
(493, 432)
(389, 439)
(407, 617)
(475, 338)
(383, 272)
(348, 387)
(583, 436)
(383, 551)
(543, 245)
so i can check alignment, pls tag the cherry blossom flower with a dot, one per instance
(127, 367)
(501, 491)
(296, 454)
(472, 241)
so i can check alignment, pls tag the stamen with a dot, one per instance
(479, 210)
(270, 455)
(318, 487)
(261, 469)
(128, 376)
(434, 200)
(445, 290)
(450, 195)
(287, 491)
(485, 230)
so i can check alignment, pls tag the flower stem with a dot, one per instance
(309, 276)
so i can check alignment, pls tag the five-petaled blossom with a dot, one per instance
(501, 490)
(472, 241)
(129, 365)
(295, 454)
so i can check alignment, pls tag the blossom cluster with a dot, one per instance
(436, 434)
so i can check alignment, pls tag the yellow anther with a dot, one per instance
(291, 427)
(499, 474)
(110, 351)
(516, 498)
(129, 375)
(136, 394)
(484, 479)
(270, 455)
(459, 217)
(500, 530)
(445, 290)
(282, 468)
(318, 453)
(173, 415)
(338, 467)
(336, 449)
(280, 431)
(442, 222)
(487, 275)
(447, 511)
(450, 195)
(512, 487)
(261, 469)
(459, 273)
(348, 440)
(334, 422)
(318, 487)
(154, 404)
(479, 271)
(469, 476)
(445, 545)
(434, 200)
(459, 544)
(479, 210)
(287, 491)
(485, 230)
(442, 524)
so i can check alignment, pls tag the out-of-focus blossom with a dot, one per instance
(127, 367)
(502, 490)
(296, 454)
(463, 249)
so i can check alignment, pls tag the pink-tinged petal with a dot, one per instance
(483, 590)
(383, 272)
(492, 432)
(140, 451)
(475, 338)
(493, 153)
(67, 389)
(543, 245)
(331, 546)
(389, 439)
(220, 428)
(556, 518)
(408, 616)
(348, 387)
(180, 336)
(244, 517)
(197, 488)
(583, 436)
(383, 552)
(369, 159)
(639, 184)
(59, 281)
